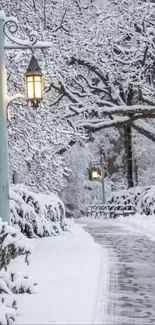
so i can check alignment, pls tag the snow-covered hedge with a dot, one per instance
(142, 197)
(36, 214)
(146, 202)
(33, 215)
(12, 244)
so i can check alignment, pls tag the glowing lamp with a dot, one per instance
(34, 82)
(96, 174)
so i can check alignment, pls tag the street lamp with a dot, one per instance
(34, 82)
(8, 28)
(95, 174)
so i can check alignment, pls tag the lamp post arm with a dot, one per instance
(10, 28)
(38, 45)
(14, 97)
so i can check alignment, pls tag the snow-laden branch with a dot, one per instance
(134, 109)
(145, 129)
(61, 150)
(63, 90)
(91, 67)
(94, 125)
(103, 103)
(94, 89)
(98, 124)
(61, 25)
(111, 90)
(73, 98)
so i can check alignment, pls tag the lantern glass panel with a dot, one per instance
(38, 87)
(37, 78)
(96, 174)
(30, 88)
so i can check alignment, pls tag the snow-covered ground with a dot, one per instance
(141, 222)
(67, 271)
(73, 273)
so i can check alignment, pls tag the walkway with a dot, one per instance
(131, 280)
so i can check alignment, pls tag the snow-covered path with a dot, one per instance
(128, 297)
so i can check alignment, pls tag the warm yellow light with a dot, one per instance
(38, 87)
(96, 174)
(34, 88)
(30, 88)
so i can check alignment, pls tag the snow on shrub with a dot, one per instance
(146, 202)
(16, 283)
(12, 244)
(142, 197)
(129, 196)
(33, 215)
(36, 214)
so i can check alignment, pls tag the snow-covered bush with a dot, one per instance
(33, 215)
(15, 282)
(12, 244)
(146, 202)
(129, 196)
(142, 197)
(36, 214)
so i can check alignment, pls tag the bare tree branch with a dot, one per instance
(61, 150)
(57, 101)
(34, 5)
(61, 23)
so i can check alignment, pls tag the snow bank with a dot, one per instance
(36, 214)
(140, 221)
(67, 271)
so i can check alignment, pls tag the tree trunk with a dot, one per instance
(128, 155)
(128, 143)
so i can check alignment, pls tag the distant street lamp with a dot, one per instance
(8, 27)
(97, 173)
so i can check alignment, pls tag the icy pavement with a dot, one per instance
(128, 296)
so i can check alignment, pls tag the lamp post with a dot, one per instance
(8, 28)
(103, 175)
(97, 173)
